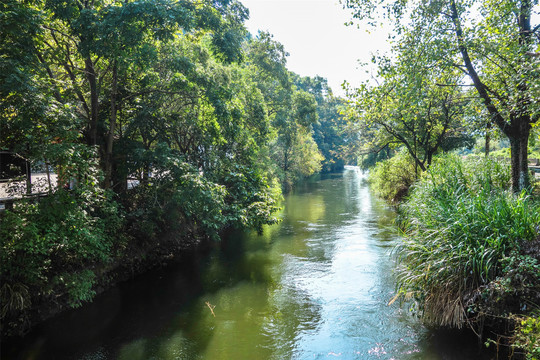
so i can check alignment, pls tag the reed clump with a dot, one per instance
(465, 241)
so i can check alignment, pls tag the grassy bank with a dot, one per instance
(471, 250)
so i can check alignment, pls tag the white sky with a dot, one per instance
(314, 34)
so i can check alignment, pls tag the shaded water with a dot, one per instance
(316, 286)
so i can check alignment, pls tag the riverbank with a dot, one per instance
(317, 284)
(471, 252)
(62, 248)
(135, 261)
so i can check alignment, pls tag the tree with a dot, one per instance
(90, 51)
(494, 44)
(296, 152)
(418, 104)
(109, 91)
(328, 131)
(292, 111)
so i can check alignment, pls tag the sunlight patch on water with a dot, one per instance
(314, 286)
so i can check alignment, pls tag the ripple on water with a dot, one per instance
(316, 286)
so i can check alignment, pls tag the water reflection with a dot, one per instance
(314, 286)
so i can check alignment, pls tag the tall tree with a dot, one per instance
(329, 130)
(494, 44)
(419, 103)
(90, 49)
(292, 111)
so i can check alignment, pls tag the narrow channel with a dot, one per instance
(315, 286)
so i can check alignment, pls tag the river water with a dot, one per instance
(315, 286)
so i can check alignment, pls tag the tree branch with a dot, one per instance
(479, 85)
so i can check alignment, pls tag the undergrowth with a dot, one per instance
(463, 257)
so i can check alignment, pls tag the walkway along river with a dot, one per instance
(316, 286)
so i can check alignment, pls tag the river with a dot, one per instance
(315, 286)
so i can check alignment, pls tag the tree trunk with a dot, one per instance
(112, 125)
(28, 177)
(519, 145)
(517, 130)
(524, 119)
(524, 178)
(94, 101)
(488, 139)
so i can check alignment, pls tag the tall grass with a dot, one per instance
(460, 221)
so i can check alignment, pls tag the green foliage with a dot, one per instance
(293, 111)
(528, 337)
(372, 158)
(516, 290)
(78, 286)
(63, 232)
(66, 230)
(147, 104)
(495, 43)
(329, 131)
(392, 178)
(414, 106)
(174, 197)
(460, 224)
(251, 201)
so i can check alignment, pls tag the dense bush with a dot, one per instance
(392, 178)
(50, 246)
(461, 226)
(180, 199)
(251, 199)
(56, 246)
(44, 245)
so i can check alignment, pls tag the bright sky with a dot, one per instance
(314, 34)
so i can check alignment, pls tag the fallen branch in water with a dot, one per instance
(211, 307)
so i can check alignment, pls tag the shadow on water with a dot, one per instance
(316, 286)
(134, 309)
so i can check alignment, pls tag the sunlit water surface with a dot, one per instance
(316, 286)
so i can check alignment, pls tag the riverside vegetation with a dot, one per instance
(459, 73)
(173, 122)
(471, 250)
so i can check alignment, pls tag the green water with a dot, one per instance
(315, 286)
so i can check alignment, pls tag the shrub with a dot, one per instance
(78, 285)
(177, 198)
(392, 178)
(527, 336)
(64, 231)
(182, 199)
